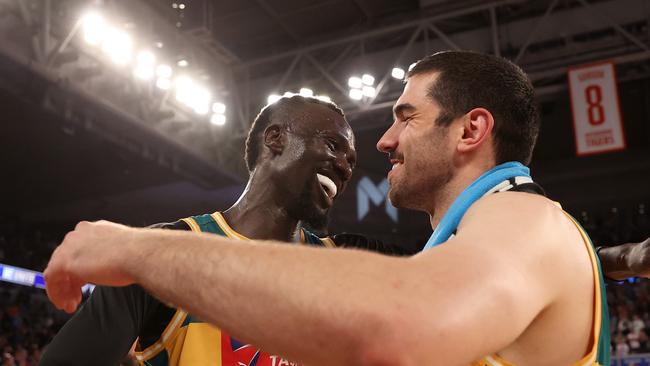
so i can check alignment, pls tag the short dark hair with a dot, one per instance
(267, 116)
(469, 80)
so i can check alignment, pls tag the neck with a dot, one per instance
(448, 194)
(258, 213)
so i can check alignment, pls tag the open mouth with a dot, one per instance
(328, 185)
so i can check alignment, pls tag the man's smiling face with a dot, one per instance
(318, 159)
(419, 149)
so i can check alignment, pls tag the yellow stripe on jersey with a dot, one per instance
(328, 242)
(590, 358)
(167, 336)
(218, 217)
(192, 224)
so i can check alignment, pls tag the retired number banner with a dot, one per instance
(597, 120)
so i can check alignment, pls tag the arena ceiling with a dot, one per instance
(137, 143)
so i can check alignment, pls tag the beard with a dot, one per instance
(416, 190)
(304, 209)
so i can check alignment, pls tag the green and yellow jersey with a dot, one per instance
(599, 353)
(188, 341)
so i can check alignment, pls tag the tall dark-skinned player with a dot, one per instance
(300, 153)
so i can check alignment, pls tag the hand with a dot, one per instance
(95, 252)
(638, 259)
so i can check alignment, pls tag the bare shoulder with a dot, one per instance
(522, 219)
(515, 204)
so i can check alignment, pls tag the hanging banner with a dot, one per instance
(597, 120)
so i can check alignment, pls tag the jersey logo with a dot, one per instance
(237, 346)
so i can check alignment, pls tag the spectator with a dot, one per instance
(637, 324)
(622, 348)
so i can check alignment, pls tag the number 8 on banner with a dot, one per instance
(597, 120)
(594, 97)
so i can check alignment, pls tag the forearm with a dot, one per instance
(627, 260)
(614, 261)
(319, 310)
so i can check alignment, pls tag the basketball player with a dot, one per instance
(507, 277)
(300, 154)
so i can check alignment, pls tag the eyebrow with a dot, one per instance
(400, 109)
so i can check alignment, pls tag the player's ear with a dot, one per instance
(477, 128)
(275, 138)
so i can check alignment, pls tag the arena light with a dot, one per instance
(184, 86)
(355, 82)
(218, 119)
(368, 91)
(163, 83)
(356, 94)
(306, 92)
(273, 98)
(144, 68)
(361, 87)
(94, 28)
(201, 108)
(368, 80)
(193, 95)
(118, 46)
(398, 73)
(164, 71)
(183, 63)
(219, 108)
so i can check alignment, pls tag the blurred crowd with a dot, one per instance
(629, 308)
(27, 324)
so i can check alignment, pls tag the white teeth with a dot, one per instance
(395, 165)
(328, 184)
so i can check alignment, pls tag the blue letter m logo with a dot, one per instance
(368, 191)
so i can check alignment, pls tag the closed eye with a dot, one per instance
(331, 143)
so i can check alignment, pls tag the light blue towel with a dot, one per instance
(471, 194)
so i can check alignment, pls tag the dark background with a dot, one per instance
(71, 150)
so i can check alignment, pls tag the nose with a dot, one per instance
(389, 141)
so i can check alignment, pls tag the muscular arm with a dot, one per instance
(337, 306)
(627, 260)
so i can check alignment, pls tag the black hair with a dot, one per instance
(268, 116)
(469, 80)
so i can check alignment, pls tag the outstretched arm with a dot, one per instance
(627, 260)
(330, 306)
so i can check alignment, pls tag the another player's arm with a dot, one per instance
(105, 327)
(337, 306)
(627, 260)
(101, 332)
